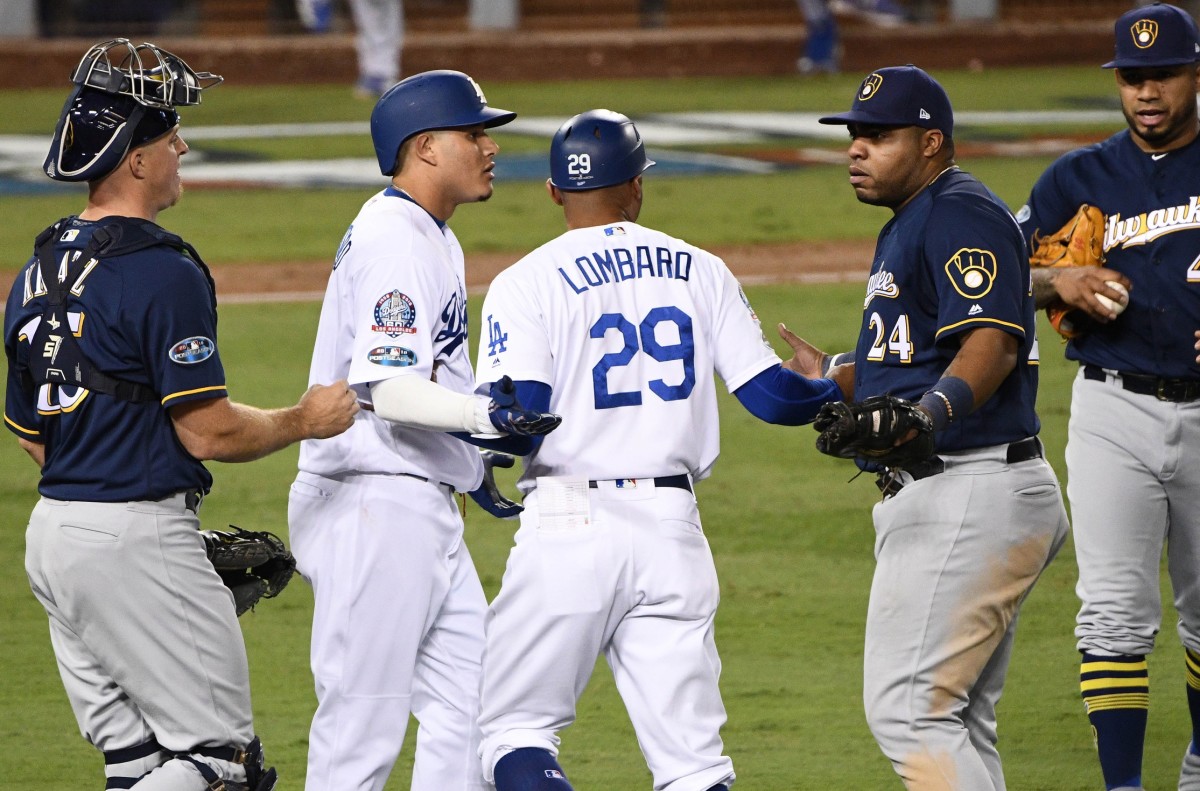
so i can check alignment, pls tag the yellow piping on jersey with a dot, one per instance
(984, 320)
(183, 393)
(22, 429)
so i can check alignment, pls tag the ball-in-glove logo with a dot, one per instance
(870, 86)
(1144, 32)
(972, 271)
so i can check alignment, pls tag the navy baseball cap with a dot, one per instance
(1156, 35)
(899, 96)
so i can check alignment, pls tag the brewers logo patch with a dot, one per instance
(395, 315)
(1144, 32)
(870, 87)
(972, 271)
(190, 351)
(392, 356)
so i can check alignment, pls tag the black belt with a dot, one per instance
(672, 481)
(1178, 390)
(192, 500)
(889, 481)
(427, 480)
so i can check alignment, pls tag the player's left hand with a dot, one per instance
(253, 564)
(883, 429)
(488, 495)
(509, 417)
(1197, 346)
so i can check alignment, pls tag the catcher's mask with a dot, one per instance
(441, 99)
(124, 96)
(596, 149)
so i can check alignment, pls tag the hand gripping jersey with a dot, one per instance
(1151, 203)
(142, 312)
(950, 261)
(395, 306)
(646, 319)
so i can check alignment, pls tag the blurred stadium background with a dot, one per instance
(567, 39)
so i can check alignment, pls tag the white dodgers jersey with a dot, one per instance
(627, 326)
(395, 306)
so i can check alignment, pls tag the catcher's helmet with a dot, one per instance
(596, 149)
(124, 96)
(440, 99)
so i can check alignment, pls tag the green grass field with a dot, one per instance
(792, 539)
(790, 531)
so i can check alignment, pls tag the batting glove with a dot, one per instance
(488, 495)
(509, 417)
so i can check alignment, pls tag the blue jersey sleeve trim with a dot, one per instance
(215, 390)
(19, 429)
(781, 396)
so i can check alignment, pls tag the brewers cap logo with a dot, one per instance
(1144, 32)
(870, 87)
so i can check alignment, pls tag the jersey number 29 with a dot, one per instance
(684, 351)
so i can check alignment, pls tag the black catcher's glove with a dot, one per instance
(254, 565)
(509, 417)
(870, 429)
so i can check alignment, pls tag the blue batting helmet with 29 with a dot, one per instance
(596, 149)
(442, 99)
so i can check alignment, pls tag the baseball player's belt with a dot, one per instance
(1177, 390)
(670, 481)
(889, 482)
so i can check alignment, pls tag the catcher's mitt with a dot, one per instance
(1078, 243)
(253, 564)
(870, 429)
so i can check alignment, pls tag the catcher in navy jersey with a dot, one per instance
(967, 525)
(1133, 482)
(116, 391)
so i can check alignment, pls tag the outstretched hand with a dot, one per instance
(807, 360)
(812, 363)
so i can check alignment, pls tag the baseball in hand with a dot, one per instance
(1116, 307)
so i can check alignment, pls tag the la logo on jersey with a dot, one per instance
(497, 338)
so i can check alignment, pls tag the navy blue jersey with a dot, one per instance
(145, 317)
(950, 261)
(1151, 205)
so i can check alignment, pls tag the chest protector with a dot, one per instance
(56, 357)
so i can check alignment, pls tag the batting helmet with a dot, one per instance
(596, 149)
(440, 99)
(124, 96)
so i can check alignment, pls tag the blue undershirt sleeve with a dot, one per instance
(534, 396)
(786, 398)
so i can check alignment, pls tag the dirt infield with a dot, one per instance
(800, 262)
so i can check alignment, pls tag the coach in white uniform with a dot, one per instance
(619, 328)
(375, 525)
